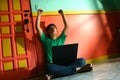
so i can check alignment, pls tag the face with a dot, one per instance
(52, 30)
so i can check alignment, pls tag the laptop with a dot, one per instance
(65, 54)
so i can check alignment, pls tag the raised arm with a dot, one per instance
(65, 30)
(38, 28)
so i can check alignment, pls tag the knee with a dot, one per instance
(82, 61)
(49, 68)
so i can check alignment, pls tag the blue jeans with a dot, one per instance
(60, 70)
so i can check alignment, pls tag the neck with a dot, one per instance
(53, 37)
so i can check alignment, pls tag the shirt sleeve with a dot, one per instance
(62, 37)
(43, 37)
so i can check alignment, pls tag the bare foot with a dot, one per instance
(49, 77)
(87, 67)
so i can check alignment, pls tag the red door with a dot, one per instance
(17, 50)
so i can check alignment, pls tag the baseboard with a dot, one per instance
(103, 58)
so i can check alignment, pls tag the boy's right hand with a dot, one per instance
(40, 11)
(60, 11)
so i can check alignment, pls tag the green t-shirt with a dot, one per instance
(49, 43)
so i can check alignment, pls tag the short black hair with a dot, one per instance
(48, 27)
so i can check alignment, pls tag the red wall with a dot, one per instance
(97, 34)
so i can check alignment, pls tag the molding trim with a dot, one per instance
(75, 12)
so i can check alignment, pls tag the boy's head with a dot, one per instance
(51, 30)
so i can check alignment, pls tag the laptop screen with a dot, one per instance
(65, 54)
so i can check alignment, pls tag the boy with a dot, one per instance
(51, 40)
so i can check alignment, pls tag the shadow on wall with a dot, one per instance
(105, 38)
(114, 24)
(39, 48)
(98, 37)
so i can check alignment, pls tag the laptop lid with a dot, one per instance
(65, 54)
